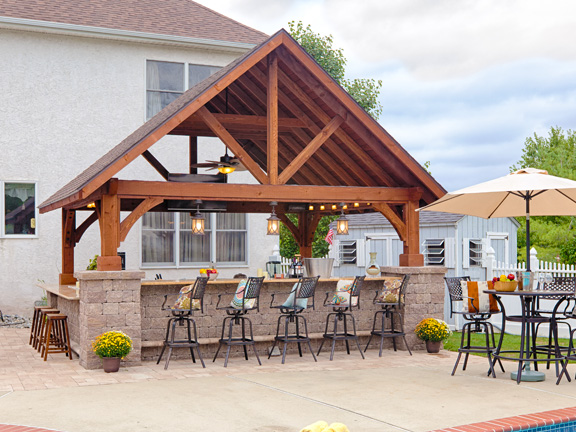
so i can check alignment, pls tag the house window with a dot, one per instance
(165, 81)
(167, 240)
(19, 214)
(475, 253)
(348, 251)
(434, 252)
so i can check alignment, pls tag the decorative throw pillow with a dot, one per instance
(391, 290)
(300, 303)
(183, 301)
(239, 296)
(343, 294)
(483, 303)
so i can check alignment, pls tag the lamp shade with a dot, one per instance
(198, 222)
(342, 225)
(226, 169)
(273, 224)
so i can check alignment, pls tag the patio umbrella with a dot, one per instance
(528, 191)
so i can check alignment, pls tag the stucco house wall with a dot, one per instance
(67, 99)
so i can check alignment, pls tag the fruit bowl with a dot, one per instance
(212, 276)
(505, 286)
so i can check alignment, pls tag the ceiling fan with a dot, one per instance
(225, 165)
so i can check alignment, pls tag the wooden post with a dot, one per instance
(272, 150)
(412, 256)
(193, 154)
(307, 224)
(109, 233)
(68, 243)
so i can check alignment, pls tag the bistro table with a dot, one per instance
(528, 320)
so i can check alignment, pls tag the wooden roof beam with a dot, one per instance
(310, 149)
(156, 164)
(272, 110)
(265, 192)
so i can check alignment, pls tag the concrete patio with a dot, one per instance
(391, 393)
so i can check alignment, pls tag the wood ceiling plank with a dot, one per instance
(233, 145)
(310, 149)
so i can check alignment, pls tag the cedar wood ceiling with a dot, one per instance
(359, 153)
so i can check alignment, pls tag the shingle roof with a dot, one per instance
(426, 217)
(183, 18)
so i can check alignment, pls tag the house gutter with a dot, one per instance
(128, 35)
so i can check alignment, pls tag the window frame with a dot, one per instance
(185, 84)
(3, 212)
(439, 255)
(352, 246)
(475, 255)
(178, 264)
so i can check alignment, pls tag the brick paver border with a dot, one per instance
(19, 428)
(516, 423)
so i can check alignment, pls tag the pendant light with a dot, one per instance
(273, 221)
(342, 223)
(198, 220)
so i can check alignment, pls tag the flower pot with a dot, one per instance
(111, 364)
(433, 347)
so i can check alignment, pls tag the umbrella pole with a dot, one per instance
(527, 199)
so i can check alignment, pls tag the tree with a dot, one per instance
(551, 236)
(320, 247)
(364, 91)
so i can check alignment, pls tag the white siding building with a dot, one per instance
(76, 79)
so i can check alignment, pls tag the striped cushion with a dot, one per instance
(483, 303)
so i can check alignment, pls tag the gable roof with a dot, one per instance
(354, 149)
(183, 18)
(426, 218)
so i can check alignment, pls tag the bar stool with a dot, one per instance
(343, 302)
(190, 299)
(41, 326)
(391, 301)
(246, 298)
(56, 338)
(35, 326)
(301, 298)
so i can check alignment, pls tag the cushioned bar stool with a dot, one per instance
(41, 326)
(190, 299)
(301, 298)
(476, 320)
(246, 298)
(391, 302)
(342, 302)
(35, 326)
(56, 338)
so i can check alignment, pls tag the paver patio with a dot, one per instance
(391, 393)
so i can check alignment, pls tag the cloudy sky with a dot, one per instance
(465, 82)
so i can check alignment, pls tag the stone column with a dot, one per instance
(109, 300)
(424, 297)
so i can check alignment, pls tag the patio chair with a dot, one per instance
(190, 300)
(301, 298)
(559, 314)
(391, 302)
(245, 299)
(343, 302)
(475, 322)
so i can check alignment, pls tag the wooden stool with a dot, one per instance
(35, 327)
(56, 338)
(41, 324)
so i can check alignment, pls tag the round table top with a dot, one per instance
(536, 293)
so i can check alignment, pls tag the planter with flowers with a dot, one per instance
(432, 331)
(112, 347)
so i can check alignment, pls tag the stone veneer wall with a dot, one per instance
(72, 310)
(109, 301)
(424, 297)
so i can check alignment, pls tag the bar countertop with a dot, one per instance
(68, 292)
(235, 281)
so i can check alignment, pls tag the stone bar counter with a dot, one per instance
(123, 301)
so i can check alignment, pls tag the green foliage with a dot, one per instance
(549, 235)
(568, 251)
(93, 264)
(320, 247)
(332, 60)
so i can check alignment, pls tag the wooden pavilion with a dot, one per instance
(300, 135)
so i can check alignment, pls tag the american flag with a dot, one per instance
(329, 236)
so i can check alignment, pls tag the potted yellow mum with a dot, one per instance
(112, 347)
(432, 331)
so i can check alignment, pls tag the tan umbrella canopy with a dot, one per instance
(528, 191)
